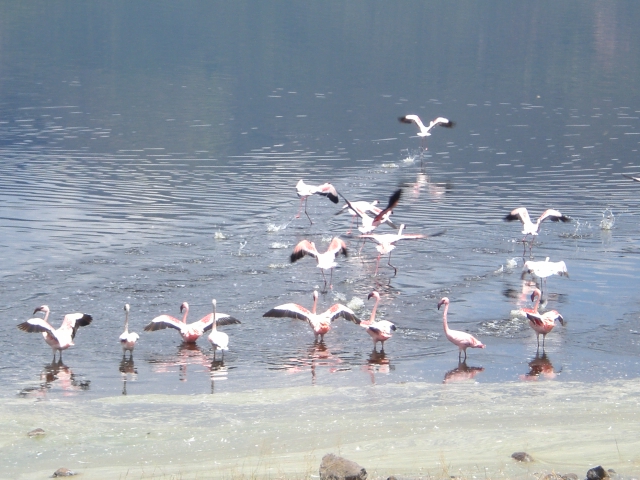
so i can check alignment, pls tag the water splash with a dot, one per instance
(608, 220)
(242, 245)
(219, 235)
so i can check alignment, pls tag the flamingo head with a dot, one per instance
(184, 306)
(444, 301)
(536, 293)
(374, 294)
(214, 302)
(560, 319)
(315, 295)
(126, 307)
(42, 308)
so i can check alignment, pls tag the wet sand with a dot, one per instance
(415, 429)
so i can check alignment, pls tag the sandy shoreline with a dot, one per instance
(416, 429)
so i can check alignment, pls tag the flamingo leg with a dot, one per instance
(300, 209)
(330, 282)
(305, 210)
(325, 280)
(395, 270)
(377, 263)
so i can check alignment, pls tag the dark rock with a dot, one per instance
(333, 467)
(597, 473)
(36, 432)
(522, 457)
(63, 472)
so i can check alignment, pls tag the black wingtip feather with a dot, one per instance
(510, 218)
(295, 256)
(404, 120)
(333, 197)
(449, 125)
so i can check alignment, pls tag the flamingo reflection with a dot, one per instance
(127, 370)
(540, 366)
(317, 355)
(218, 371)
(462, 373)
(57, 374)
(378, 362)
(187, 354)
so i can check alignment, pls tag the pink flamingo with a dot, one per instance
(319, 323)
(463, 340)
(326, 260)
(522, 312)
(191, 332)
(358, 209)
(425, 131)
(305, 191)
(380, 331)
(127, 339)
(58, 339)
(369, 224)
(543, 323)
(530, 228)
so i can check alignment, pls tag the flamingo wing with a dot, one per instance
(337, 310)
(554, 216)
(518, 214)
(465, 339)
(337, 246)
(443, 122)
(305, 247)
(635, 179)
(393, 201)
(535, 318)
(219, 340)
(34, 325)
(290, 310)
(328, 190)
(222, 319)
(73, 321)
(164, 321)
(383, 326)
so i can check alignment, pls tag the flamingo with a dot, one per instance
(319, 323)
(380, 331)
(326, 260)
(425, 131)
(217, 339)
(59, 339)
(191, 332)
(369, 224)
(522, 312)
(386, 243)
(544, 269)
(463, 340)
(543, 323)
(305, 191)
(358, 209)
(128, 339)
(530, 228)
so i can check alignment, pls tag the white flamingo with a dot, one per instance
(530, 228)
(462, 340)
(127, 339)
(326, 260)
(58, 339)
(426, 131)
(219, 340)
(379, 331)
(319, 323)
(358, 210)
(191, 332)
(305, 191)
(544, 269)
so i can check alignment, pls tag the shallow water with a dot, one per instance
(153, 180)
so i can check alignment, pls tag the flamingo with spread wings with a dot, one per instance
(326, 260)
(305, 191)
(530, 228)
(424, 130)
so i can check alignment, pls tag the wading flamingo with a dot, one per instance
(425, 131)
(59, 339)
(326, 260)
(319, 323)
(191, 332)
(380, 331)
(305, 191)
(543, 323)
(358, 209)
(128, 339)
(544, 269)
(522, 312)
(218, 339)
(530, 228)
(463, 340)
(369, 224)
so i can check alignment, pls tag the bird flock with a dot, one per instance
(369, 217)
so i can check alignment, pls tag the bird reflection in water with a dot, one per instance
(378, 362)
(434, 190)
(540, 367)
(57, 374)
(218, 372)
(127, 371)
(317, 355)
(187, 354)
(462, 373)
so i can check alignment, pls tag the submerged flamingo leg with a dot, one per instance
(395, 270)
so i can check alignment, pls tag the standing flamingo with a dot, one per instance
(543, 323)
(380, 331)
(530, 228)
(305, 191)
(127, 339)
(326, 260)
(59, 339)
(319, 323)
(218, 339)
(544, 269)
(425, 131)
(190, 333)
(522, 312)
(463, 340)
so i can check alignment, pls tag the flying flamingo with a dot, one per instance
(59, 339)
(463, 340)
(544, 269)
(326, 260)
(543, 323)
(191, 332)
(380, 331)
(319, 323)
(530, 228)
(305, 191)
(358, 209)
(128, 339)
(217, 339)
(369, 224)
(425, 131)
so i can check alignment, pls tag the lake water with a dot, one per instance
(149, 155)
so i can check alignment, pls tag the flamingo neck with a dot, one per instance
(126, 322)
(373, 312)
(213, 325)
(537, 304)
(184, 315)
(444, 319)
(315, 304)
